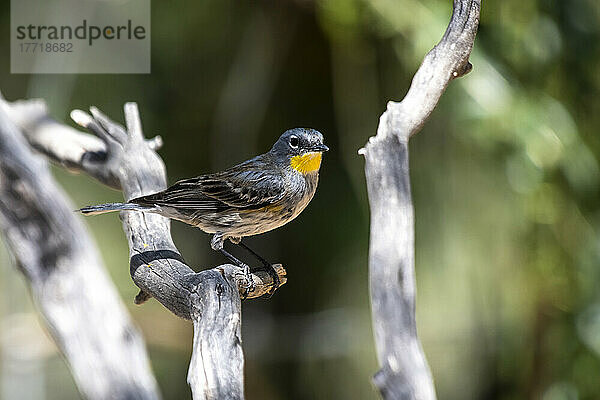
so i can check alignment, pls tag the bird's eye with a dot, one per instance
(294, 141)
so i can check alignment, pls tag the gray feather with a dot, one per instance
(110, 207)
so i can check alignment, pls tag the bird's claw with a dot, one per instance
(248, 285)
(276, 281)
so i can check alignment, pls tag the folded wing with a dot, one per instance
(245, 186)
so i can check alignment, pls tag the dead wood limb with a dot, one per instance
(404, 372)
(211, 298)
(79, 304)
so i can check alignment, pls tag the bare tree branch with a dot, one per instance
(80, 306)
(73, 149)
(211, 298)
(404, 372)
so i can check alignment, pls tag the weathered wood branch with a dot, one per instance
(79, 304)
(211, 298)
(75, 150)
(404, 372)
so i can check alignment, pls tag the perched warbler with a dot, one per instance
(247, 199)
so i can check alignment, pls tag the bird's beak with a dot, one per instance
(319, 147)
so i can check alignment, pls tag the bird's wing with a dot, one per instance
(243, 186)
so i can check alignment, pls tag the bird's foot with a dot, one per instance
(248, 285)
(276, 280)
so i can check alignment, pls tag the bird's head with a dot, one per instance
(301, 148)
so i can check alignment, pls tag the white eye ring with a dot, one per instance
(294, 142)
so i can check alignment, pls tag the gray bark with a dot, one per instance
(79, 304)
(211, 298)
(404, 372)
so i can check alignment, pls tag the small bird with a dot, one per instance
(248, 199)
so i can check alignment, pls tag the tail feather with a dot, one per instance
(110, 207)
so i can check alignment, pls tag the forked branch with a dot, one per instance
(123, 158)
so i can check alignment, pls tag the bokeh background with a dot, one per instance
(505, 181)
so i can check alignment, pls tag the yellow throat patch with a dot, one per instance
(306, 163)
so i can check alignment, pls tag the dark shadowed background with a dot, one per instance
(505, 181)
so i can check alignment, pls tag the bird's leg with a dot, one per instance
(217, 244)
(267, 266)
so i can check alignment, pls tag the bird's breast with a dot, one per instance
(299, 192)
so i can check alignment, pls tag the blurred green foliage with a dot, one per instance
(505, 181)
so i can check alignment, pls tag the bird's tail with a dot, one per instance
(110, 207)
